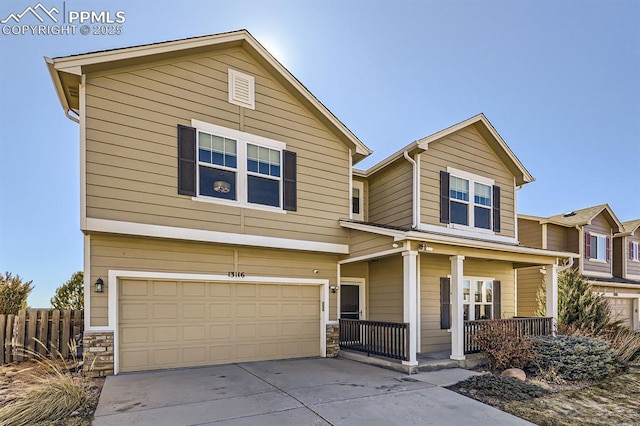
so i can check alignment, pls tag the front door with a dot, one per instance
(350, 301)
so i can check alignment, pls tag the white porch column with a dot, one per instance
(551, 278)
(457, 312)
(410, 286)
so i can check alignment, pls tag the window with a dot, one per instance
(470, 201)
(477, 299)
(634, 251)
(357, 201)
(597, 247)
(226, 166)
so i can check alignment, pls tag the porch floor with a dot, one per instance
(428, 361)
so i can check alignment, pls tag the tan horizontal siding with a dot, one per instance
(529, 282)
(530, 233)
(385, 289)
(157, 255)
(362, 243)
(464, 150)
(390, 194)
(132, 114)
(557, 237)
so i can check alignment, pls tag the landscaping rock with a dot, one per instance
(514, 372)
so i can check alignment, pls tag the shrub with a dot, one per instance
(507, 388)
(13, 293)
(574, 357)
(624, 342)
(578, 306)
(70, 295)
(503, 348)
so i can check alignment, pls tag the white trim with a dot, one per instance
(544, 235)
(360, 186)
(87, 281)
(360, 282)
(471, 177)
(372, 255)
(410, 295)
(232, 203)
(467, 231)
(115, 275)
(611, 284)
(418, 192)
(516, 188)
(237, 134)
(373, 229)
(83, 150)
(472, 303)
(161, 231)
(233, 75)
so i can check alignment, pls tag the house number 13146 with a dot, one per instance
(235, 274)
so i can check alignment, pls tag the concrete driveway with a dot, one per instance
(317, 391)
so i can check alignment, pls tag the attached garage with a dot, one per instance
(169, 324)
(622, 309)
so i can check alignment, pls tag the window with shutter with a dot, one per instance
(469, 201)
(597, 247)
(226, 166)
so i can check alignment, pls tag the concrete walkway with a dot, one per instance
(318, 391)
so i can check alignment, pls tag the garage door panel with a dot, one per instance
(622, 310)
(177, 324)
(165, 311)
(165, 288)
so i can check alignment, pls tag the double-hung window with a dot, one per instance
(238, 168)
(469, 200)
(597, 247)
(477, 299)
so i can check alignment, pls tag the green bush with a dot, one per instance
(506, 388)
(503, 348)
(574, 357)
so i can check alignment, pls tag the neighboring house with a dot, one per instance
(222, 215)
(608, 256)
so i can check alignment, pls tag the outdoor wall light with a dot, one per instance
(316, 271)
(99, 285)
(333, 288)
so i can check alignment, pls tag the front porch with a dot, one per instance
(387, 343)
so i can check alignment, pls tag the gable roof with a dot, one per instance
(629, 227)
(66, 73)
(486, 130)
(578, 217)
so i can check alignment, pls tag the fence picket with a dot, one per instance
(20, 334)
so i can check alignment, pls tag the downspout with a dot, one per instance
(70, 117)
(415, 189)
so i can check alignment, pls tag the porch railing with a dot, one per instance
(388, 339)
(531, 326)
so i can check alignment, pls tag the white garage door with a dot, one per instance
(169, 324)
(621, 309)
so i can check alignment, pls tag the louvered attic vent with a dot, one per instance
(241, 89)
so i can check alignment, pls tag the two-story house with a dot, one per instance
(608, 256)
(224, 222)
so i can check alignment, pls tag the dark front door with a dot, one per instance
(349, 301)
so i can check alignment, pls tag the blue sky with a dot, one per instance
(558, 79)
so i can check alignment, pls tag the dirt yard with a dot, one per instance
(15, 378)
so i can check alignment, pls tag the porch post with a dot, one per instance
(457, 320)
(551, 278)
(410, 286)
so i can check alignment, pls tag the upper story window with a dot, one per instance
(634, 251)
(235, 168)
(357, 201)
(597, 247)
(469, 200)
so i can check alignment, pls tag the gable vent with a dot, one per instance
(241, 89)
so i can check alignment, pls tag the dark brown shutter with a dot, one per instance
(445, 303)
(608, 253)
(186, 160)
(587, 245)
(444, 197)
(631, 250)
(496, 208)
(497, 300)
(290, 167)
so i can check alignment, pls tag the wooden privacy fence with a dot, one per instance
(55, 329)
